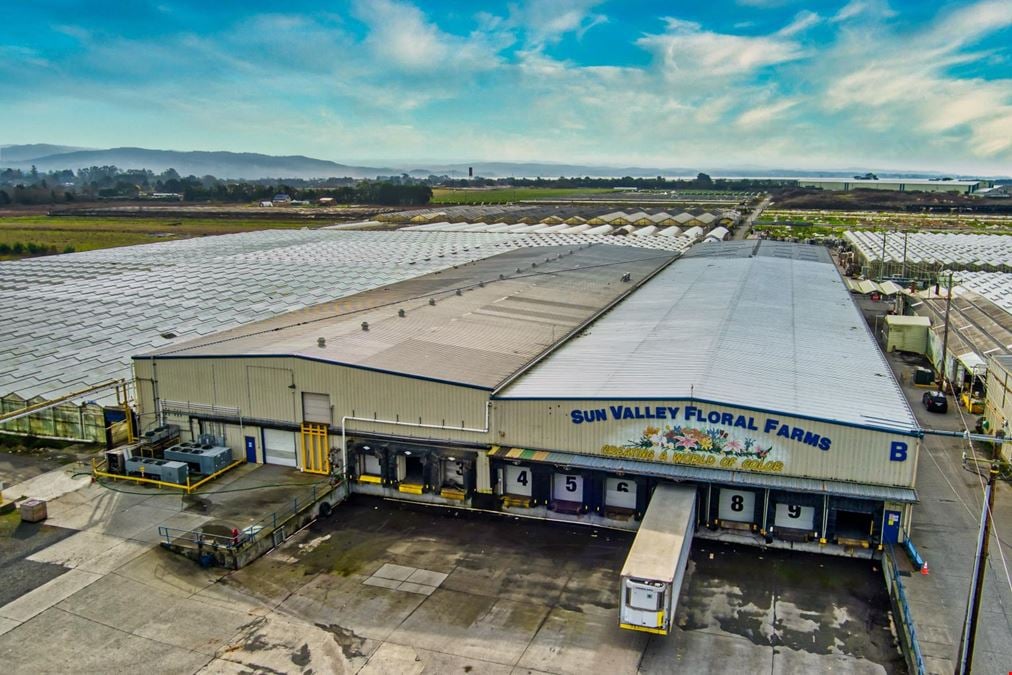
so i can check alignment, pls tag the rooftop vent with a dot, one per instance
(459, 292)
(401, 313)
(365, 325)
(168, 335)
(626, 277)
(321, 342)
(432, 301)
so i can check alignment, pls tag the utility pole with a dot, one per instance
(882, 259)
(965, 661)
(906, 235)
(945, 336)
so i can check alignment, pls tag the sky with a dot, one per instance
(911, 84)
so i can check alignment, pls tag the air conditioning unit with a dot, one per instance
(158, 469)
(204, 460)
(174, 472)
(115, 461)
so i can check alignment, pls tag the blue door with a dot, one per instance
(891, 527)
(251, 449)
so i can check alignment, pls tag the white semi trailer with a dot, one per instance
(653, 572)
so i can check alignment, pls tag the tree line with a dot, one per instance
(31, 249)
(701, 182)
(109, 182)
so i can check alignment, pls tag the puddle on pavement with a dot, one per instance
(803, 601)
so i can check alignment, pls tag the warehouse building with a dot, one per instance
(904, 185)
(567, 383)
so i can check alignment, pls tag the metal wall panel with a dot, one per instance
(262, 388)
(269, 391)
(736, 439)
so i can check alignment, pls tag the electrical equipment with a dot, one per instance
(115, 460)
(158, 469)
(161, 437)
(202, 459)
(174, 472)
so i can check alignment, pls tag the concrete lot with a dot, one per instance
(385, 588)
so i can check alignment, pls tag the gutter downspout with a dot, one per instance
(416, 425)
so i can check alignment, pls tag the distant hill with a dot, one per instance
(246, 165)
(23, 153)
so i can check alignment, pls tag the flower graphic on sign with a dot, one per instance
(713, 441)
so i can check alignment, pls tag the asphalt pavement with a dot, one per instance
(944, 530)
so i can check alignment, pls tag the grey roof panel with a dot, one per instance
(510, 309)
(767, 332)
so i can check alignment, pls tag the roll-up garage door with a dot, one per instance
(518, 480)
(279, 447)
(567, 487)
(371, 465)
(794, 516)
(737, 505)
(316, 408)
(620, 493)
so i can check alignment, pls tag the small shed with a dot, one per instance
(906, 333)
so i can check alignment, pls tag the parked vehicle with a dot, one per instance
(935, 401)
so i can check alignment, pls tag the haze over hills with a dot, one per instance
(20, 153)
(247, 165)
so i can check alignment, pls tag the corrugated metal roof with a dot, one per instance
(477, 338)
(69, 321)
(766, 332)
(976, 323)
(743, 478)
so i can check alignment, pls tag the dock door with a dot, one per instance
(653, 572)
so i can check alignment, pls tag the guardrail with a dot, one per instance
(99, 469)
(248, 535)
(907, 632)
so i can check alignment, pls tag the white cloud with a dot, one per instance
(864, 9)
(764, 114)
(803, 20)
(546, 21)
(904, 85)
(967, 24)
(687, 51)
(402, 36)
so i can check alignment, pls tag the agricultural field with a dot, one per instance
(48, 234)
(810, 223)
(501, 195)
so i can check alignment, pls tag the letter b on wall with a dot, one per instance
(898, 451)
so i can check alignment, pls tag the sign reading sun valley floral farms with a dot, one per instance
(692, 435)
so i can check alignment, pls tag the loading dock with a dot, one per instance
(736, 508)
